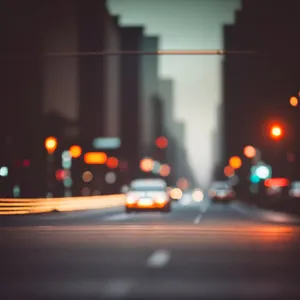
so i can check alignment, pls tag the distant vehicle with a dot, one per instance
(221, 191)
(148, 194)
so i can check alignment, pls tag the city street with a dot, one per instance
(198, 251)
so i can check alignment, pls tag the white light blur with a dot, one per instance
(3, 171)
(197, 195)
(66, 155)
(176, 193)
(124, 189)
(110, 177)
(263, 172)
(156, 167)
(16, 191)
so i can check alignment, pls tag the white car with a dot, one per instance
(147, 194)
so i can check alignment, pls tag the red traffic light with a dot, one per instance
(161, 142)
(60, 175)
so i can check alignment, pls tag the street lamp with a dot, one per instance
(276, 132)
(50, 145)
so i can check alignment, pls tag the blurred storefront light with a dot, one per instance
(229, 171)
(4, 171)
(165, 170)
(95, 158)
(87, 176)
(110, 177)
(294, 101)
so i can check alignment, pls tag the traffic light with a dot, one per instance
(50, 144)
(161, 142)
(276, 132)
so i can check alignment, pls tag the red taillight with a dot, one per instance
(276, 182)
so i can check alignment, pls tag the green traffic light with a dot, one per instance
(254, 178)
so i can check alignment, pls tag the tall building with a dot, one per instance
(131, 93)
(166, 90)
(59, 92)
(150, 88)
(179, 132)
(257, 88)
(83, 87)
(21, 94)
(158, 109)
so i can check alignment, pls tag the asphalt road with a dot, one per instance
(198, 251)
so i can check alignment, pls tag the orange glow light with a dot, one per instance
(294, 101)
(229, 171)
(147, 164)
(276, 131)
(235, 162)
(249, 151)
(75, 151)
(165, 170)
(51, 144)
(112, 162)
(161, 142)
(95, 158)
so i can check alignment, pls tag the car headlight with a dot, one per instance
(161, 199)
(130, 200)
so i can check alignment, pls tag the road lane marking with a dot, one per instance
(203, 208)
(118, 217)
(117, 289)
(158, 259)
(198, 218)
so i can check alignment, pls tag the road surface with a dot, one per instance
(198, 251)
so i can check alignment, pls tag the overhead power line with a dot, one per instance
(159, 52)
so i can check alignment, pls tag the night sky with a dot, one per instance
(189, 24)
